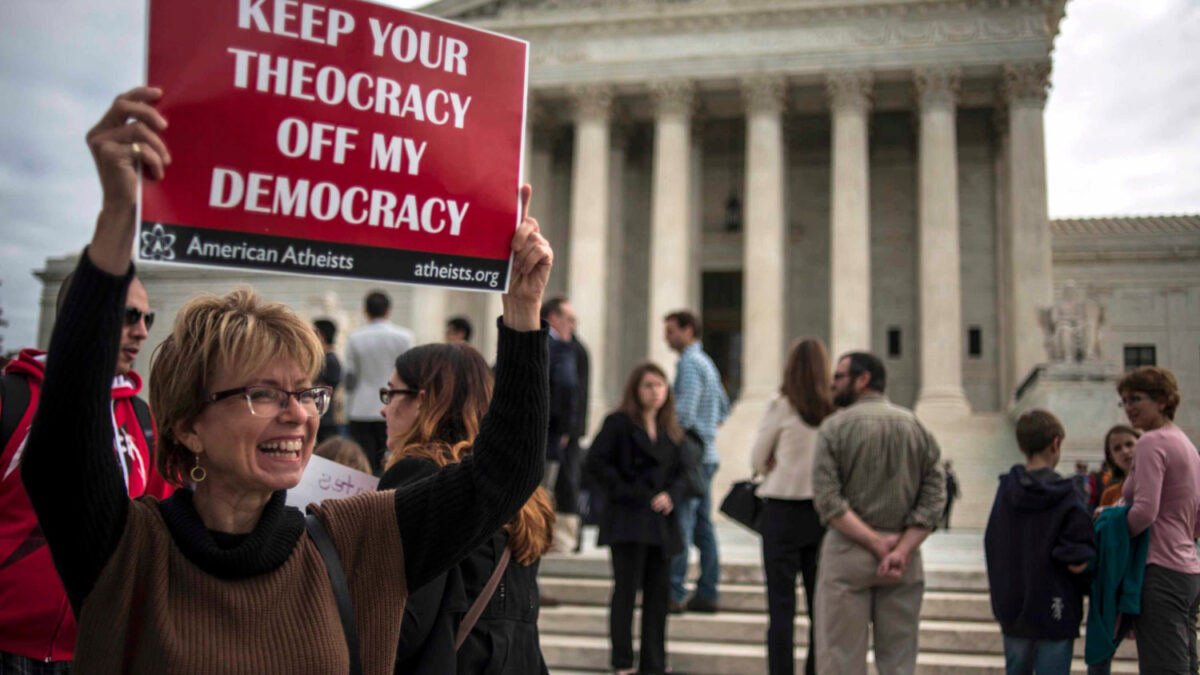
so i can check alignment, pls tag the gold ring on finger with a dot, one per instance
(137, 152)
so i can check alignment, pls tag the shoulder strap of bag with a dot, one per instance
(14, 397)
(485, 596)
(141, 410)
(333, 565)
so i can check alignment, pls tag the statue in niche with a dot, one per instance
(1072, 326)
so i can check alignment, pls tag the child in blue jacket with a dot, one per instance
(1037, 545)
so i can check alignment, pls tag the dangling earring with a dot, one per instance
(198, 473)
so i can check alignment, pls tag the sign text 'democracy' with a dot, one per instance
(336, 137)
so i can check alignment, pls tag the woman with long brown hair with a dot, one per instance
(434, 404)
(637, 460)
(783, 452)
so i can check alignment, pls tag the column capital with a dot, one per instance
(1026, 82)
(850, 89)
(591, 101)
(764, 93)
(673, 97)
(937, 86)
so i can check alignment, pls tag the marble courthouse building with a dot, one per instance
(869, 172)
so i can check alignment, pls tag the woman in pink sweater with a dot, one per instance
(1163, 491)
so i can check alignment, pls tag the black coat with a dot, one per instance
(564, 396)
(630, 470)
(505, 639)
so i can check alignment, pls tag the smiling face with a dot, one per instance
(243, 452)
(401, 411)
(1120, 450)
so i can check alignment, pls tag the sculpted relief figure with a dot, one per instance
(1072, 326)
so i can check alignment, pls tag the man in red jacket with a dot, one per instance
(37, 628)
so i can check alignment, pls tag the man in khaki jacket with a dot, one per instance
(878, 486)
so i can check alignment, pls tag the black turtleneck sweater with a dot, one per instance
(77, 492)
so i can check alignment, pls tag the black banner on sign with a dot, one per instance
(221, 248)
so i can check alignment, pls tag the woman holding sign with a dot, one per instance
(223, 577)
(434, 405)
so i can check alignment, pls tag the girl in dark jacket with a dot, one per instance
(638, 462)
(434, 405)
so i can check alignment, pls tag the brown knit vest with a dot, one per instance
(153, 611)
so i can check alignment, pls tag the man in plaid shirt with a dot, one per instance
(701, 405)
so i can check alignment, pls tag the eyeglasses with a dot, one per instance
(270, 401)
(134, 315)
(385, 394)
(1132, 399)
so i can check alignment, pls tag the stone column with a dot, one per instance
(587, 280)
(764, 278)
(850, 220)
(670, 212)
(1029, 274)
(764, 275)
(938, 279)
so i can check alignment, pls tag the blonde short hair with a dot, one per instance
(214, 334)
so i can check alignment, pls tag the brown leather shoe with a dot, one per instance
(676, 608)
(547, 600)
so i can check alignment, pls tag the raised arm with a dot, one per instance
(445, 517)
(69, 469)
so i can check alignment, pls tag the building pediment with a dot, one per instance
(629, 41)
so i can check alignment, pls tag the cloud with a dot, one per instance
(1121, 129)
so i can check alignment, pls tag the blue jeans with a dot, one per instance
(1023, 656)
(695, 519)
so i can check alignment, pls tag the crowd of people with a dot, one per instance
(181, 555)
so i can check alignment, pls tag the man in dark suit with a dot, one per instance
(568, 402)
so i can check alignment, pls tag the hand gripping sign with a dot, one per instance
(335, 137)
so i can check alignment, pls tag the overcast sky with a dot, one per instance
(1122, 122)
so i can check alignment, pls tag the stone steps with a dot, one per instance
(951, 637)
(940, 577)
(963, 605)
(587, 654)
(957, 633)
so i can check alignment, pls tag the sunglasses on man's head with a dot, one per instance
(134, 315)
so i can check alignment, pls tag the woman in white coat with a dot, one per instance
(783, 453)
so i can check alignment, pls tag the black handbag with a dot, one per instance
(744, 505)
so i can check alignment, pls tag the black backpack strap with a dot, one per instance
(14, 399)
(142, 410)
(341, 591)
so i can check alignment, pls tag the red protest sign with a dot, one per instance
(335, 137)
